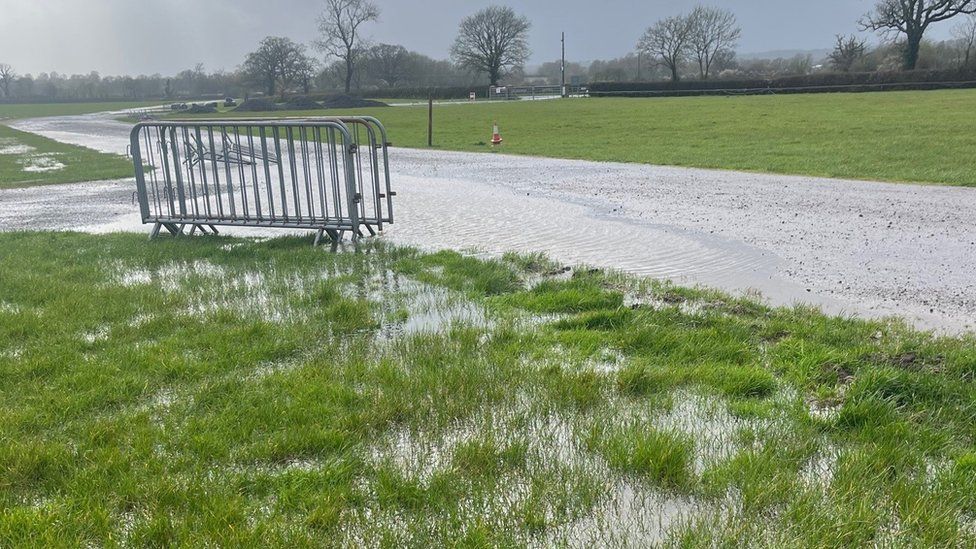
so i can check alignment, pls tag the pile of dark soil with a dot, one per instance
(301, 104)
(257, 105)
(347, 102)
(209, 108)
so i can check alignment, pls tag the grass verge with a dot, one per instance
(28, 160)
(215, 391)
(14, 111)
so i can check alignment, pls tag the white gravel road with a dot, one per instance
(852, 247)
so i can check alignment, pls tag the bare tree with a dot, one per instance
(7, 76)
(339, 30)
(847, 51)
(912, 18)
(275, 64)
(965, 32)
(668, 40)
(306, 69)
(491, 41)
(712, 32)
(388, 63)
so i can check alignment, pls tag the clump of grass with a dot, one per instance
(464, 274)
(565, 296)
(641, 379)
(488, 457)
(661, 457)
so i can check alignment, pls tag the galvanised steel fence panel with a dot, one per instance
(330, 175)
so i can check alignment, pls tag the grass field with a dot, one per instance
(28, 160)
(16, 111)
(926, 137)
(221, 392)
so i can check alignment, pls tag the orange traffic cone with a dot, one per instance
(496, 136)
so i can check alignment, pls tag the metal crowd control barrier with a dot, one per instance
(331, 175)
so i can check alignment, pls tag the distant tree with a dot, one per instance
(306, 69)
(388, 63)
(847, 51)
(492, 41)
(965, 33)
(7, 76)
(339, 31)
(668, 41)
(552, 70)
(275, 64)
(712, 33)
(912, 18)
(799, 64)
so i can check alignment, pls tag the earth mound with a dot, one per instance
(196, 108)
(301, 104)
(348, 102)
(257, 105)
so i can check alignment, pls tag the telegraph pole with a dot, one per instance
(563, 89)
(639, 52)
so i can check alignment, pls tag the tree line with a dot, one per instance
(492, 46)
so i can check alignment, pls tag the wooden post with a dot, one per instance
(430, 119)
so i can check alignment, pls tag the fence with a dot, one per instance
(534, 92)
(330, 175)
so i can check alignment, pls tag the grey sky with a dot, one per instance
(165, 36)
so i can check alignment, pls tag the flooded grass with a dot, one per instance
(27, 160)
(213, 391)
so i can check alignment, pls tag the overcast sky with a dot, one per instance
(165, 36)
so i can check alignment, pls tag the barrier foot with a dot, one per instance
(214, 229)
(155, 231)
(318, 237)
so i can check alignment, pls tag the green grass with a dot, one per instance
(220, 392)
(14, 111)
(924, 137)
(79, 163)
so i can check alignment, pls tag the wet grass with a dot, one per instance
(15, 111)
(924, 137)
(214, 391)
(28, 160)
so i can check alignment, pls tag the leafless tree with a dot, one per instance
(388, 63)
(668, 40)
(7, 76)
(491, 41)
(275, 64)
(306, 69)
(965, 32)
(912, 18)
(847, 51)
(712, 32)
(339, 31)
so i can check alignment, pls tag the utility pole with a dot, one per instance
(563, 68)
(639, 53)
(430, 118)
